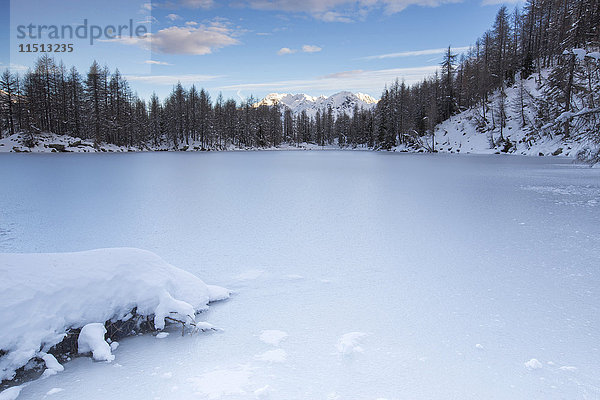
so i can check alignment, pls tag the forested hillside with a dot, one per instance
(554, 42)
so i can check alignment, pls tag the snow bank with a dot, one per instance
(42, 296)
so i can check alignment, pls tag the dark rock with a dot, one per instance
(57, 147)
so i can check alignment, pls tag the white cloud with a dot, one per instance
(307, 48)
(417, 53)
(374, 81)
(332, 16)
(154, 62)
(187, 79)
(285, 50)
(14, 67)
(173, 17)
(191, 23)
(200, 40)
(198, 3)
(149, 19)
(496, 2)
(343, 10)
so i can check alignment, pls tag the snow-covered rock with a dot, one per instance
(52, 363)
(91, 340)
(42, 296)
(342, 102)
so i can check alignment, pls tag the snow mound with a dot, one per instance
(533, 364)
(42, 296)
(91, 340)
(350, 343)
(11, 393)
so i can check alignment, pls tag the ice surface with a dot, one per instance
(533, 364)
(350, 343)
(273, 336)
(219, 383)
(275, 356)
(429, 254)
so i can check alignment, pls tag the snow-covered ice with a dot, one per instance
(223, 382)
(273, 336)
(273, 356)
(425, 253)
(533, 364)
(11, 393)
(350, 343)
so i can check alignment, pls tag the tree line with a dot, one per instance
(559, 36)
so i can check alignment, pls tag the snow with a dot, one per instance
(580, 54)
(342, 102)
(349, 343)
(220, 383)
(273, 336)
(162, 335)
(462, 133)
(54, 391)
(52, 363)
(263, 392)
(273, 356)
(426, 253)
(91, 340)
(178, 310)
(533, 364)
(568, 368)
(10, 393)
(42, 296)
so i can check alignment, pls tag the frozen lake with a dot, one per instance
(457, 269)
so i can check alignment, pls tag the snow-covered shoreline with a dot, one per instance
(45, 296)
(455, 136)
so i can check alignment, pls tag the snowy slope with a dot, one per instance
(469, 132)
(342, 102)
(42, 296)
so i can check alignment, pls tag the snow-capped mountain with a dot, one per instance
(340, 102)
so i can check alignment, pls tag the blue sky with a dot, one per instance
(244, 47)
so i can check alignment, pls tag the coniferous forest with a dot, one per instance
(554, 41)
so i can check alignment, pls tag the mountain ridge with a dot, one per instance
(341, 102)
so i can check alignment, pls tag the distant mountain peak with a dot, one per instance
(342, 102)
